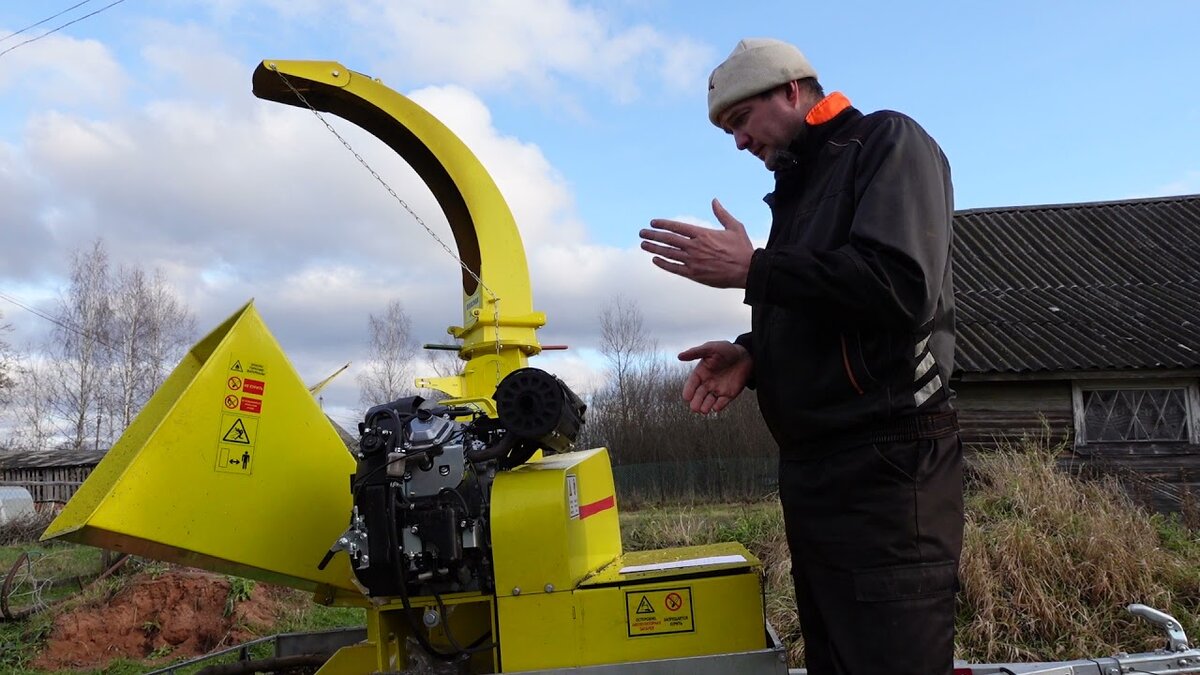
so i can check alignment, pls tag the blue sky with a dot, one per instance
(138, 125)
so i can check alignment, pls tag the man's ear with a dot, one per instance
(792, 92)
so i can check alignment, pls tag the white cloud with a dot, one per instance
(235, 198)
(189, 58)
(530, 44)
(63, 71)
(537, 194)
(575, 281)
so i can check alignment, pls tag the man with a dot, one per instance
(850, 351)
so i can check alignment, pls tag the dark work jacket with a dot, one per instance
(852, 329)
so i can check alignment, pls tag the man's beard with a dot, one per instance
(777, 160)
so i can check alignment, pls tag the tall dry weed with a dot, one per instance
(1051, 561)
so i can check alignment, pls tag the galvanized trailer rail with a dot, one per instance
(1178, 658)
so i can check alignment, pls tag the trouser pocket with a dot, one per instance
(906, 582)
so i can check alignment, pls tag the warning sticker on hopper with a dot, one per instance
(235, 448)
(245, 387)
(659, 612)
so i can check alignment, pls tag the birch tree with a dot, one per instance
(8, 364)
(115, 339)
(388, 374)
(80, 348)
(149, 329)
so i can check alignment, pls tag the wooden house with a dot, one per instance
(1081, 323)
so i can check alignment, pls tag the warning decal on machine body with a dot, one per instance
(659, 612)
(242, 404)
(235, 450)
(572, 496)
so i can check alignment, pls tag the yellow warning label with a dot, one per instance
(235, 445)
(232, 459)
(659, 612)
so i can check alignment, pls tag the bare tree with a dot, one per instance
(662, 450)
(388, 374)
(442, 363)
(34, 428)
(149, 328)
(622, 411)
(80, 350)
(631, 354)
(8, 364)
(115, 339)
(623, 340)
(439, 363)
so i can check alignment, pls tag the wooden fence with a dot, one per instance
(50, 485)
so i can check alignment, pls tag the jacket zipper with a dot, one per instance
(846, 363)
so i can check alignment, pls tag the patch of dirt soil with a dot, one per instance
(178, 613)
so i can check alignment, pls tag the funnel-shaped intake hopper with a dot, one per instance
(231, 466)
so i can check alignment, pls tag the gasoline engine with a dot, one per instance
(423, 482)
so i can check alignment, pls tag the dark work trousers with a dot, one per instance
(875, 534)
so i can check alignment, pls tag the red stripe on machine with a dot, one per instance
(592, 509)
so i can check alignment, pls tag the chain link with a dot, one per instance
(420, 221)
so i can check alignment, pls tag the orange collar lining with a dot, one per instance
(827, 108)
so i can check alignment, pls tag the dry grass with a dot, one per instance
(1049, 561)
(25, 529)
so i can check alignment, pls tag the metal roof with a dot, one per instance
(47, 459)
(1093, 286)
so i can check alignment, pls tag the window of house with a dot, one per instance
(1119, 413)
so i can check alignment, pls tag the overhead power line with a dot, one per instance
(65, 325)
(35, 25)
(55, 30)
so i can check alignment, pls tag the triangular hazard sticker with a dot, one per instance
(237, 365)
(237, 433)
(644, 607)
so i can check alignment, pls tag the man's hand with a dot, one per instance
(720, 376)
(719, 258)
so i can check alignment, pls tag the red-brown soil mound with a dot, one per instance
(181, 612)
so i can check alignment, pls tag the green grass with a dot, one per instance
(239, 591)
(20, 641)
(318, 617)
(58, 569)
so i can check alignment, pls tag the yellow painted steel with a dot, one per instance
(542, 536)
(466, 619)
(231, 466)
(499, 323)
(359, 658)
(561, 595)
(637, 617)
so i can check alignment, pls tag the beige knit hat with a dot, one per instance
(756, 65)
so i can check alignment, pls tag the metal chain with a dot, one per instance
(420, 221)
